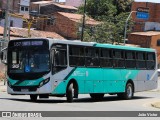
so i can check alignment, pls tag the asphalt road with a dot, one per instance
(141, 102)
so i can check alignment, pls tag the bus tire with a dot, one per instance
(97, 96)
(33, 97)
(70, 93)
(129, 92)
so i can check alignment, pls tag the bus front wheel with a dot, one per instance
(70, 93)
(33, 97)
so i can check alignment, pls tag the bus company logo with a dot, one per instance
(6, 114)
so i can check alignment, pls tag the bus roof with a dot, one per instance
(102, 45)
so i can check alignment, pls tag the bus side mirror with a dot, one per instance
(3, 55)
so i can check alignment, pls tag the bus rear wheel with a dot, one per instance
(33, 97)
(129, 92)
(97, 96)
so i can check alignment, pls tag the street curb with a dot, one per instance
(156, 105)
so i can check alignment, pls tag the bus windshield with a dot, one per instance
(28, 61)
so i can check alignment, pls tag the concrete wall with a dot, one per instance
(17, 22)
(75, 3)
(63, 26)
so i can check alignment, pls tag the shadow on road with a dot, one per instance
(79, 100)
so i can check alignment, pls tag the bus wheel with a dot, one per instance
(97, 96)
(70, 93)
(33, 97)
(129, 92)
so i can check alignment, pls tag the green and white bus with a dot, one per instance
(48, 67)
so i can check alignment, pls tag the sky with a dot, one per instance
(153, 1)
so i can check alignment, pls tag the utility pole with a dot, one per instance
(5, 32)
(83, 22)
(125, 28)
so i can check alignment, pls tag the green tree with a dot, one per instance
(112, 14)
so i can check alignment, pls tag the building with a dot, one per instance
(148, 39)
(50, 7)
(67, 24)
(75, 3)
(146, 24)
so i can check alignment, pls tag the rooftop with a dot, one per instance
(23, 32)
(148, 33)
(44, 3)
(78, 18)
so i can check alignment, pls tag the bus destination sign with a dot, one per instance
(28, 43)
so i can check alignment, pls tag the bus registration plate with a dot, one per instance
(24, 90)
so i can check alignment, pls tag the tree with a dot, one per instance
(112, 14)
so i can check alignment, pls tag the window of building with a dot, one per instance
(158, 42)
(11, 23)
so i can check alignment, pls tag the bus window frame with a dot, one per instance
(53, 66)
(134, 59)
(78, 56)
(106, 58)
(122, 58)
(91, 57)
(139, 60)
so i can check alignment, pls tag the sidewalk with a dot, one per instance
(3, 88)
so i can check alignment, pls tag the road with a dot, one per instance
(141, 102)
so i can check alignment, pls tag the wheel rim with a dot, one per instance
(129, 91)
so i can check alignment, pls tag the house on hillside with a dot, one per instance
(146, 17)
(50, 7)
(15, 21)
(66, 24)
(149, 39)
(23, 33)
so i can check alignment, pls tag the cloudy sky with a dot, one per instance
(154, 1)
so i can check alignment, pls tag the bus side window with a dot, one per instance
(130, 59)
(76, 55)
(141, 60)
(92, 57)
(118, 59)
(106, 58)
(150, 61)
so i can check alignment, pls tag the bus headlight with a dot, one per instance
(44, 82)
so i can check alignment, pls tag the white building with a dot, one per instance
(75, 3)
(24, 6)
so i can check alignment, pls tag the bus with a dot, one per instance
(43, 67)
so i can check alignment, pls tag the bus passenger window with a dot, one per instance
(141, 60)
(150, 61)
(130, 59)
(106, 58)
(76, 55)
(118, 59)
(92, 57)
